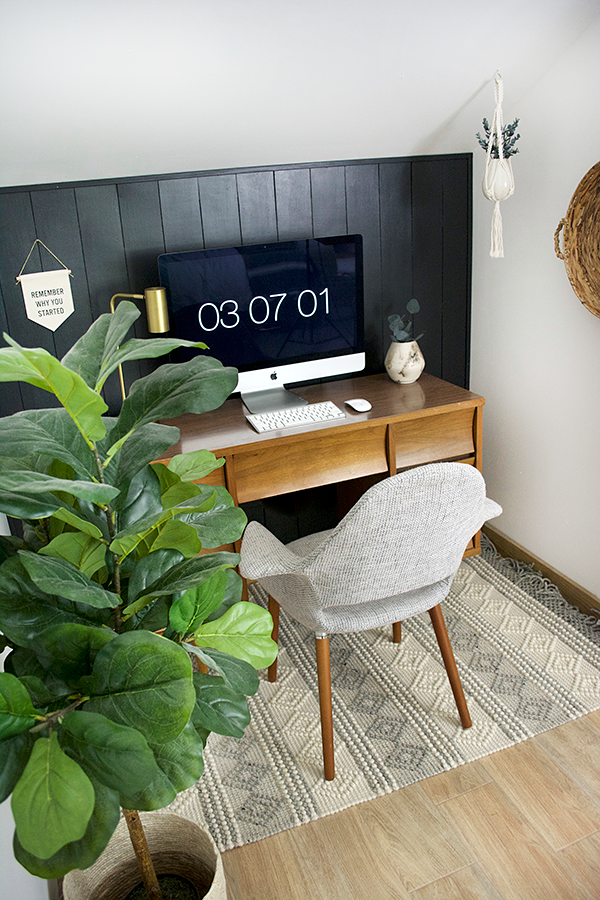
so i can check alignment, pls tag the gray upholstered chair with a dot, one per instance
(392, 556)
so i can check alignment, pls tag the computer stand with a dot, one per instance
(271, 400)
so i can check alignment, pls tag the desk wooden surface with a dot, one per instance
(408, 425)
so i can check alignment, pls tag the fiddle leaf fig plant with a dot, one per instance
(109, 595)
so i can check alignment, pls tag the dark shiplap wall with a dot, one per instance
(414, 214)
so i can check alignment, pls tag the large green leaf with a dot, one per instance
(38, 483)
(53, 800)
(89, 354)
(194, 465)
(83, 551)
(218, 708)
(117, 755)
(151, 569)
(128, 538)
(220, 526)
(50, 432)
(237, 674)
(187, 574)
(9, 546)
(82, 853)
(14, 755)
(64, 514)
(143, 680)
(146, 348)
(57, 576)
(17, 712)
(181, 760)
(28, 506)
(181, 764)
(141, 499)
(177, 534)
(192, 608)
(145, 445)
(70, 649)
(39, 368)
(243, 631)
(26, 611)
(195, 386)
(181, 491)
(233, 594)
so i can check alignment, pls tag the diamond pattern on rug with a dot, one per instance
(527, 662)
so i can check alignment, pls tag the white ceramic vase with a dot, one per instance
(404, 361)
(177, 846)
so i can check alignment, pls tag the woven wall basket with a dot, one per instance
(581, 240)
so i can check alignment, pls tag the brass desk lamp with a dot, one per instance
(157, 314)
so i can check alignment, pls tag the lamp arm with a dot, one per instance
(124, 296)
(156, 314)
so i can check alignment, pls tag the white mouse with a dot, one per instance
(358, 404)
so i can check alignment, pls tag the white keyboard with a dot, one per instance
(297, 415)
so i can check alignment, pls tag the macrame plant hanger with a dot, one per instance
(498, 179)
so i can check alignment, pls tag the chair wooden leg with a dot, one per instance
(324, 678)
(397, 632)
(441, 633)
(274, 610)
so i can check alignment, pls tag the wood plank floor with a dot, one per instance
(521, 824)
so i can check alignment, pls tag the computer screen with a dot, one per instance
(281, 312)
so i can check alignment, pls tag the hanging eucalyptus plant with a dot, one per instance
(107, 597)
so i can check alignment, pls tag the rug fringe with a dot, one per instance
(525, 576)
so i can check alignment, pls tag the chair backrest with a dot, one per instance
(405, 532)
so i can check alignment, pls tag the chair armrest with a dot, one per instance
(262, 554)
(491, 509)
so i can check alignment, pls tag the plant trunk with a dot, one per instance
(142, 854)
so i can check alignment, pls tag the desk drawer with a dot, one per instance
(320, 457)
(434, 438)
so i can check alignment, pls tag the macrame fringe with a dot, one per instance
(497, 246)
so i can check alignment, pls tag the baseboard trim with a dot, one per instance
(572, 592)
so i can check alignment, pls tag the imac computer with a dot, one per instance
(281, 313)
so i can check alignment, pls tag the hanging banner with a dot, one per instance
(48, 298)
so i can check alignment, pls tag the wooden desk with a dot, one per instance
(408, 425)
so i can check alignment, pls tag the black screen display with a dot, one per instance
(262, 304)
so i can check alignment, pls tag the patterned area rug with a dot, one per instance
(528, 662)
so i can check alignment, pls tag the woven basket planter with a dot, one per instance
(177, 846)
(581, 240)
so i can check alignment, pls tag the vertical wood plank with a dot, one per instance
(362, 204)
(11, 400)
(328, 184)
(104, 254)
(256, 192)
(144, 242)
(456, 287)
(56, 221)
(142, 233)
(396, 240)
(17, 228)
(220, 211)
(180, 208)
(427, 244)
(293, 204)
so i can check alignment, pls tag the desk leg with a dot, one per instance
(231, 486)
